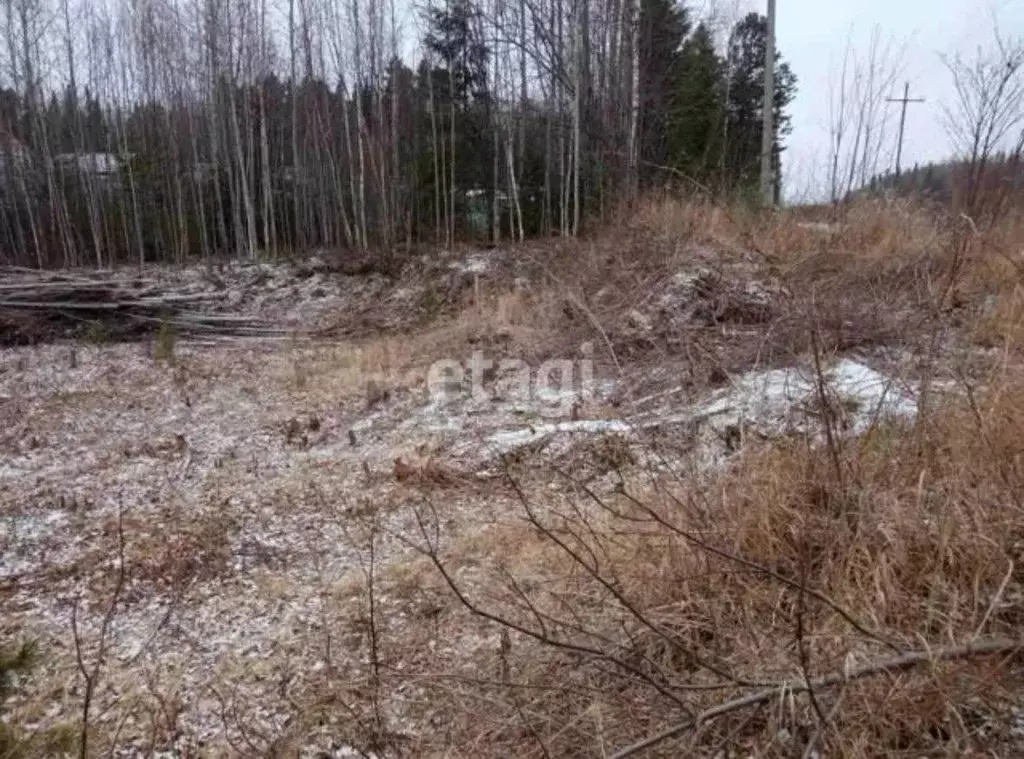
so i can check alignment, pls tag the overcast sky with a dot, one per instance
(812, 35)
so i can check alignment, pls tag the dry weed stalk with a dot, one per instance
(91, 673)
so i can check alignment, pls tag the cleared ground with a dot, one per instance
(289, 546)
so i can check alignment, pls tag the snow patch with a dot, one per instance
(510, 439)
(471, 265)
(774, 402)
(779, 399)
(22, 535)
(820, 226)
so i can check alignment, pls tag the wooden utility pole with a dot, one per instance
(768, 128)
(903, 120)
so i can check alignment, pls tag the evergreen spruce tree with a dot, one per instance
(664, 25)
(744, 107)
(453, 37)
(694, 134)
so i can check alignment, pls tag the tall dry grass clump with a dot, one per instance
(626, 613)
(872, 228)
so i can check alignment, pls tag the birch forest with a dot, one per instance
(138, 131)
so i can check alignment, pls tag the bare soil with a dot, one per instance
(234, 535)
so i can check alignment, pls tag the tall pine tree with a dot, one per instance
(453, 35)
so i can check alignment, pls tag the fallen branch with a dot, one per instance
(894, 664)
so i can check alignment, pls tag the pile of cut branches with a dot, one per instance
(36, 306)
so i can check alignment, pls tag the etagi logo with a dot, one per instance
(554, 387)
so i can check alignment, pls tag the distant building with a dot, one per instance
(104, 167)
(99, 164)
(14, 161)
(204, 172)
(295, 176)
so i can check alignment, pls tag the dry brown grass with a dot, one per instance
(920, 545)
(572, 621)
(608, 616)
(878, 273)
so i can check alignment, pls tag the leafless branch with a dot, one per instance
(992, 647)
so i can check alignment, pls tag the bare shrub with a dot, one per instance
(654, 602)
(988, 107)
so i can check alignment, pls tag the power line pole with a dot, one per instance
(768, 128)
(903, 121)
